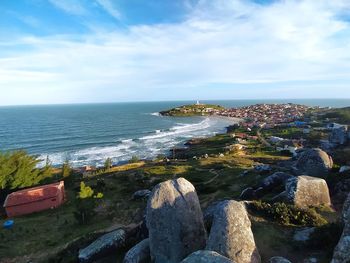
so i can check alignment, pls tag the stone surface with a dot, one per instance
(313, 162)
(102, 245)
(278, 260)
(344, 169)
(231, 234)
(339, 135)
(205, 256)
(139, 253)
(305, 191)
(342, 250)
(141, 194)
(303, 235)
(175, 221)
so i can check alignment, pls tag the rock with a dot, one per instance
(139, 253)
(344, 169)
(262, 168)
(231, 234)
(175, 221)
(310, 260)
(303, 235)
(278, 260)
(305, 191)
(269, 183)
(313, 162)
(205, 256)
(141, 194)
(103, 245)
(339, 135)
(247, 194)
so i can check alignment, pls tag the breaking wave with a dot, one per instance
(148, 146)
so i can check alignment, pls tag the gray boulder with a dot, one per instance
(342, 250)
(278, 260)
(205, 256)
(231, 234)
(139, 253)
(141, 194)
(313, 162)
(175, 221)
(103, 245)
(305, 191)
(339, 135)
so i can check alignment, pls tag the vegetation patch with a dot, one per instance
(286, 214)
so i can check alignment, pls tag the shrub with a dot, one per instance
(134, 159)
(286, 214)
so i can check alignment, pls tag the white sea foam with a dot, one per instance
(149, 146)
(155, 114)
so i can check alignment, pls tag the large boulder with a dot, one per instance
(103, 245)
(139, 253)
(313, 162)
(342, 250)
(339, 135)
(231, 234)
(205, 256)
(305, 191)
(278, 260)
(175, 221)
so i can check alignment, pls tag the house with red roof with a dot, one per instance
(35, 199)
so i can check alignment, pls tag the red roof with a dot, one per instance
(33, 194)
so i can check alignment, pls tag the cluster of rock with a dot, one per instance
(177, 231)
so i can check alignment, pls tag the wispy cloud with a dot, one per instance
(74, 7)
(230, 42)
(110, 8)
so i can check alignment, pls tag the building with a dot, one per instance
(34, 199)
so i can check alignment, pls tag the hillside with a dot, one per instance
(193, 110)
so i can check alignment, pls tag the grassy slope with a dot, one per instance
(215, 178)
(190, 110)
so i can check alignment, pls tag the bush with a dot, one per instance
(286, 214)
(18, 170)
(134, 159)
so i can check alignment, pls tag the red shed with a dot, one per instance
(34, 199)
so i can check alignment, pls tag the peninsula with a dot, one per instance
(197, 109)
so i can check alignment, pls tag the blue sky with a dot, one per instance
(76, 51)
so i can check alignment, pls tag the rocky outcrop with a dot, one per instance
(305, 191)
(205, 256)
(139, 253)
(339, 135)
(175, 221)
(103, 245)
(269, 183)
(342, 250)
(231, 234)
(278, 260)
(141, 194)
(313, 162)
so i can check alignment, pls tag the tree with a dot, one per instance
(18, 170)
(108, 163)
(134, 159)
(66, 169)
(85, 203)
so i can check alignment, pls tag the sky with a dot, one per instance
(79, 51)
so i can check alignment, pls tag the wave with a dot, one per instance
(155, 114)
(146, 147)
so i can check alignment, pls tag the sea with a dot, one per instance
(87, 134)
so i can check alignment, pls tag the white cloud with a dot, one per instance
(230, 42)
(74, 7)
(109, 7)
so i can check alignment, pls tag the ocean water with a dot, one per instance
(89, 133)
